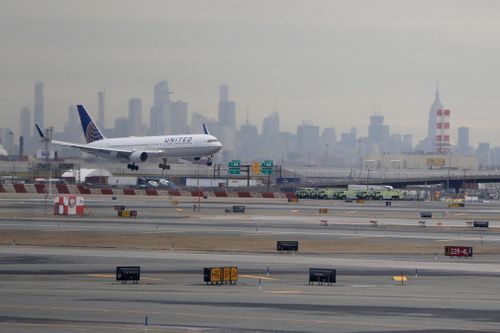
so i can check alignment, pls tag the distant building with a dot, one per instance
(442, 131)
(227, 108)
(483, 153)
(38, 109)
(178, 117)
(100, 109)
(197, 121)
(420, 161)
(431, 127)
(25, 124)
(135, 116)
(307, 137)
(271, 126)
(407, 143)
(248, 138)
(463, 141)
(160, 111)
(348, 140)
(121, 127)
(377, 131)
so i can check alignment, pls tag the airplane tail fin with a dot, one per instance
(205, 129)
(90, 129)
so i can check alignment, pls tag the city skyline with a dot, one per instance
(330, 62)
(241, 118)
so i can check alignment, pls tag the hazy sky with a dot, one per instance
(331, 62)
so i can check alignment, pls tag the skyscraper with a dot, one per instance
(463, 141)
(135, 116)
(377, 131)
(159, 117)
(307, 137)
(432, 126)
(227, 108)
(72, 129)
(25, 123)
(178, 117)
(100, 109)
(271, 126)
(38, 109)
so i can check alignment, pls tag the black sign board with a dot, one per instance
(480, 224)
(458, 251)
(322, 275)
(289, 246)
(128, 273)
(238, 209)
(426, 215)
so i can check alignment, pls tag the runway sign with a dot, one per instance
(289, 246)
(426, 215)
(128, 273)
(238, 209)
(322, 275)
(480, 224)
(458, 251)
(220, 275)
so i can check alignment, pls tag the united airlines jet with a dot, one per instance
(142, 148)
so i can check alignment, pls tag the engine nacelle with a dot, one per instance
(138, 156)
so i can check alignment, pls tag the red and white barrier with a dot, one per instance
(68, 205)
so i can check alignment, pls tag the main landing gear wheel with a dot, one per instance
(164, 165)
(132, 166)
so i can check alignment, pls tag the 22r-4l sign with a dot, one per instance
(458, 251)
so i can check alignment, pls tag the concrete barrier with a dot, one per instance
(128, 191)
(106, 191)
(175, 193)
(244, 195)
(84, 189)
(40, 188)
(151, 191)
(220, 194)
(19, 188)
(2, 190)
(196, 193)
(62, 188)
(268, 195)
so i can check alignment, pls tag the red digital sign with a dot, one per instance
(458, 251)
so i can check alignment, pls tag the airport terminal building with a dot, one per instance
(421, 162)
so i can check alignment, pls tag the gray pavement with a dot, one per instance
(68, 289)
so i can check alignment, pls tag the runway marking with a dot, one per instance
(101, 275)
(287, 292)
(213, 316)
(111, 276)
(256, 277)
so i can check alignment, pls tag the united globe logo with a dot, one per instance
(92, 133)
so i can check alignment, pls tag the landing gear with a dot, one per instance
(164, 165)
(210, 161)
(132, 166)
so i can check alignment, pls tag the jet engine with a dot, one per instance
(138, 156)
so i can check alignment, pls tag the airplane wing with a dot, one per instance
(123, 154)
(105, 152)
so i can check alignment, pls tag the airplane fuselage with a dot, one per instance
(186, 145)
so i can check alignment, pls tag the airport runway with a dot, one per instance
(66, 290)
(72, 288)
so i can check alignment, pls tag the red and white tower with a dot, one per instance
(442, 131)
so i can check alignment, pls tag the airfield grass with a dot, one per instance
(233, 243)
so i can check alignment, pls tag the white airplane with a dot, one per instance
(142, 148)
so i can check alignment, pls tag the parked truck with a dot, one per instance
(123, 181)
